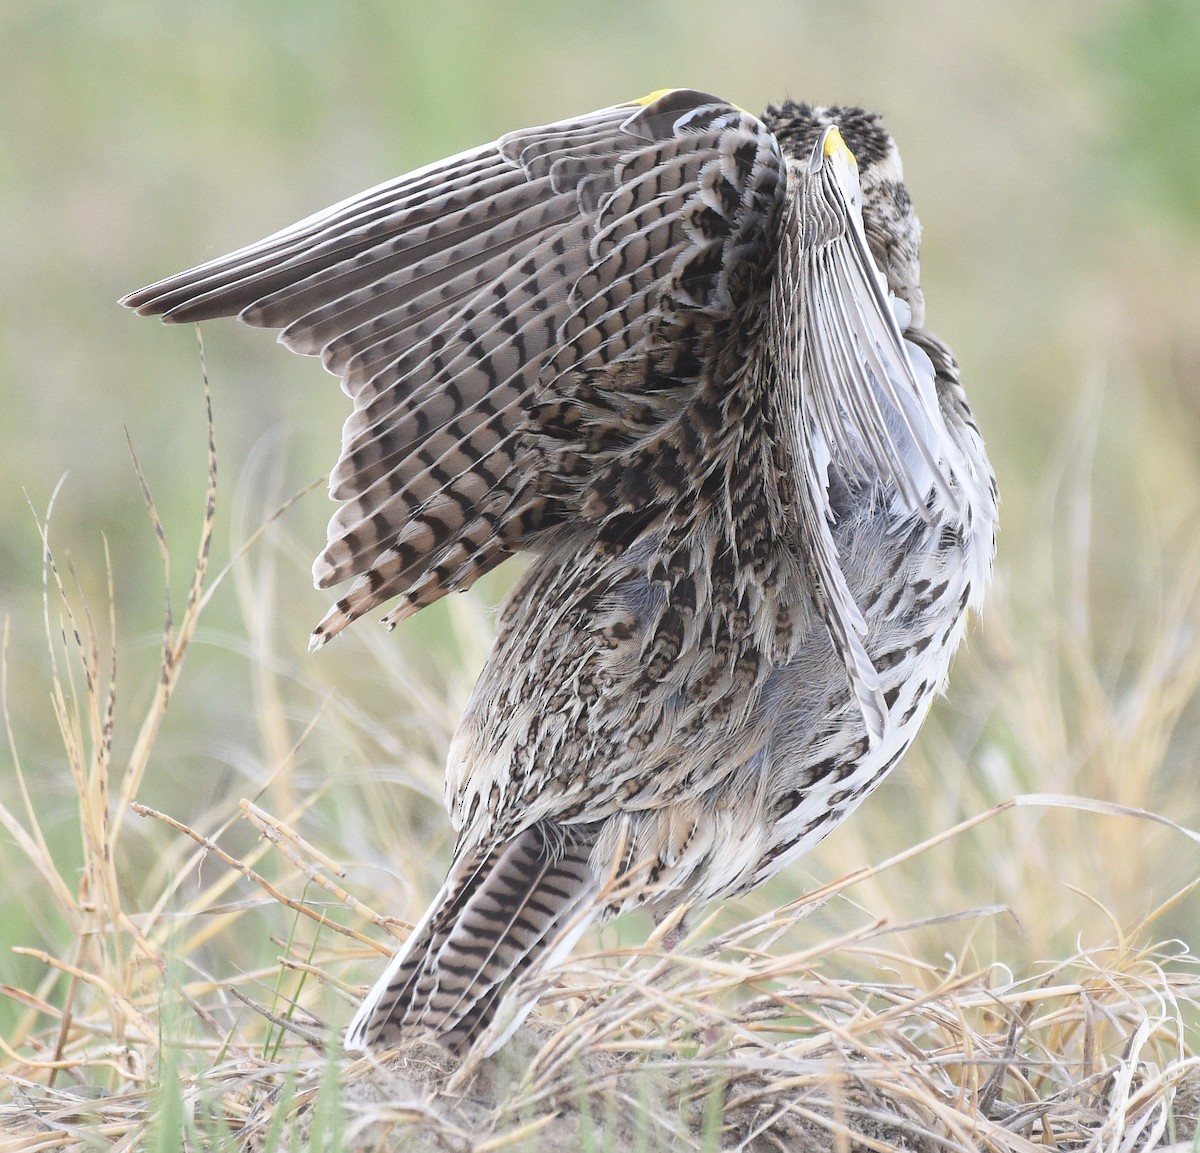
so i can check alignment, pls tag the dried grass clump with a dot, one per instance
(724, 1045)
(139, 1036)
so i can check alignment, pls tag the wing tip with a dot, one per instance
(174, 304)
(146, 302)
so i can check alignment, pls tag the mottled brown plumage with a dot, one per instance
(675, 353)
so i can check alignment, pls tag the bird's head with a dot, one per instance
(891, 226)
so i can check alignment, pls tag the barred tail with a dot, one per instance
(498, 912)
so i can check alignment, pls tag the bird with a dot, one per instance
(675, 355)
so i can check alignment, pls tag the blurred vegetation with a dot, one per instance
(1150, 51)
(1053, 151)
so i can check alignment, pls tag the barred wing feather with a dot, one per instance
(453, 298)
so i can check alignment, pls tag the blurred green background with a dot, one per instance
(1053, 152)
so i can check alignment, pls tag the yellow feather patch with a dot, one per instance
(835, 144)
(653, 96)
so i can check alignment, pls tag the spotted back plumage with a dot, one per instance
(675, 352)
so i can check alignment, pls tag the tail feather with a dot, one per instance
(494, 918)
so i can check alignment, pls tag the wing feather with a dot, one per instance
(451, 299)
(861, 399)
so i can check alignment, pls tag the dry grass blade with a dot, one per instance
(174, 644)
(274, 893)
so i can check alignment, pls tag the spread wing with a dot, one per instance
(454, 301)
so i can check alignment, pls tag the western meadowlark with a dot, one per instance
(675, 353)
